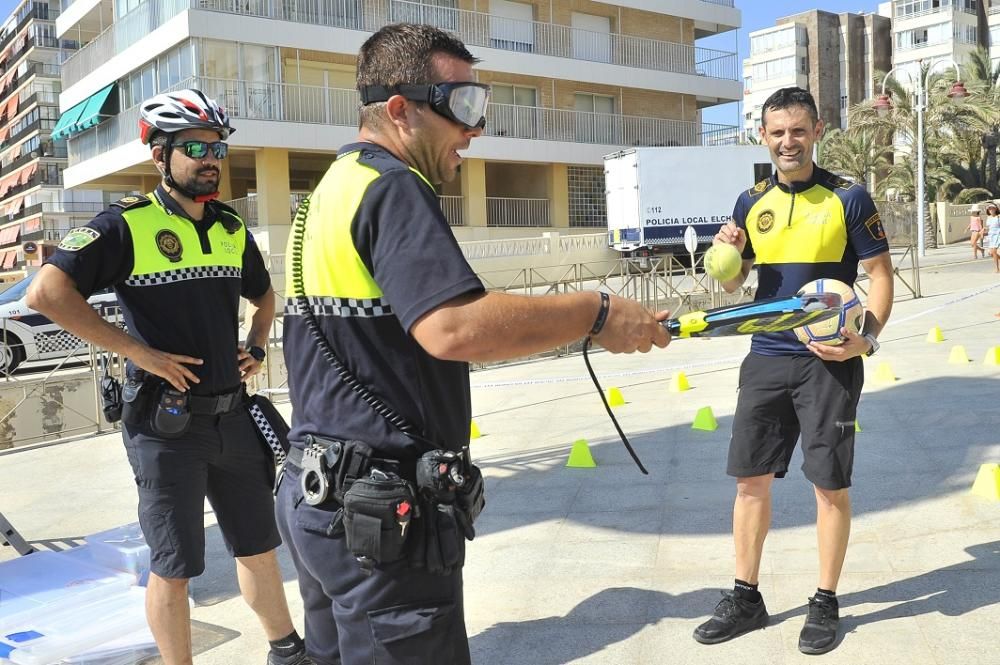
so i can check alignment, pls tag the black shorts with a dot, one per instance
(782, 397)
(221, 458)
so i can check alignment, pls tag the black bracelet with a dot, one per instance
(602, 314)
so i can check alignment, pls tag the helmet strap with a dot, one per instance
(168, 149)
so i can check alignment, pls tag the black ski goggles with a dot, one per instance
(199, 149)
(463, 102)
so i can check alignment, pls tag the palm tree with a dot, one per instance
(854, 153)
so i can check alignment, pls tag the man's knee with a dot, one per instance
(833, 498)
(754, 487)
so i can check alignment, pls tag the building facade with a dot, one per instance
(572, 80)
(34, 210)
(834, 56)
(931, 30)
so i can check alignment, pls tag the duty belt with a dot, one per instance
(214, 405)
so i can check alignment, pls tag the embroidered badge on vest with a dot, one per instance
(169, 245)
(765, 221)
(78, 238)
(129, 202)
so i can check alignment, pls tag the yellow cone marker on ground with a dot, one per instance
(987, 483)
(679, 383)
(857, 427)
(615, 397)
(935, 335)
(958, 356)
(474, 431)
(992, 356)
(884, 374)
(705, 420)
(580, 457)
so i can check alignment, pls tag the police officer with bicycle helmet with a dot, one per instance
(179, 261)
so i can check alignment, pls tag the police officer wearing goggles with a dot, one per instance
(179, 262)
(386, 285)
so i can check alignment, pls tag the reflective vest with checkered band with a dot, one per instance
(331, 265)
(165, 243)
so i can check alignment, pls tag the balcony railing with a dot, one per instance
(124, 32)
(248, 209)
(724, 3)
(52, 208)
(474, 28)
(451, 206)
(285, 102)
(510, 212)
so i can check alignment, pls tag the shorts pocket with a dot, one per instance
(413, 634)
(328, 523)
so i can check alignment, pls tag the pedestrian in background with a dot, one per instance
(976, 232)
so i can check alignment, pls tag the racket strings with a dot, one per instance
(607, 407)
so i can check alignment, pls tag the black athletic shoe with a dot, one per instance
(297, 658)
(733, 617)
(819, 635)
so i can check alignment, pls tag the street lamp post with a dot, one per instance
(884, 104)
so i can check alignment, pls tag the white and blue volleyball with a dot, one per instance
(828, 331)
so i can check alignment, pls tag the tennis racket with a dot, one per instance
(763, 316)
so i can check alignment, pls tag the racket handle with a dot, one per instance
(687, 324)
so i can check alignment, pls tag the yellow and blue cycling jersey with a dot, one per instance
(804, 231)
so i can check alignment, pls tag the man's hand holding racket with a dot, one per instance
(630, 327)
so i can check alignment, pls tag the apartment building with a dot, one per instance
(931, 30)
(993, 38)
(572, 80)
(834, 56)
(34, 212)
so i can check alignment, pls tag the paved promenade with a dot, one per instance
(608, 566)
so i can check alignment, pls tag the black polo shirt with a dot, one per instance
(197, 316)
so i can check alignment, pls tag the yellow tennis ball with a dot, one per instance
(723, 262)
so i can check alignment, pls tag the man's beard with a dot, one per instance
(201, 187)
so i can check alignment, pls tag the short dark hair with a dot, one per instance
(402, 53)
(786, 98)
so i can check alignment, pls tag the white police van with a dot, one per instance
(26, 335)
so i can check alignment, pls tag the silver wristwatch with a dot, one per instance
(874, 342)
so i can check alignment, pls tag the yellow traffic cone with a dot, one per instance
(884, 373)
(857, 427)
(474, 431)
(705, 420)
(615, 397)
(992, 356)
(958, 356)
(987, 483)
(679, 383)
(935, 335)
(580, 457)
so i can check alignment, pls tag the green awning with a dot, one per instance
(66, 120)
(93, 114)
(86, 114)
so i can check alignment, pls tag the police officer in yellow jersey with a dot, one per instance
(380, 286)
(179, 262)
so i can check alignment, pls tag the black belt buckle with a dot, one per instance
(318, 464)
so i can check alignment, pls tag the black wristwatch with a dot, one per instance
(257, 353)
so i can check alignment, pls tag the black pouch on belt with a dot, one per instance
(137, 397)
(171, 414)
(378, 508)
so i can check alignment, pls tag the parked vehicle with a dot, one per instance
(654, 194)
(26, 335)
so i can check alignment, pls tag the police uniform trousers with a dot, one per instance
(396, 616)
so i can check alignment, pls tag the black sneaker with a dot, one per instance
(297, 658)
(819, 635)
(733, 617)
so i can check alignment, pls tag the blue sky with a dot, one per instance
(759, 14)
(6, 7)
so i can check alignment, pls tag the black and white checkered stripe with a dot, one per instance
(269, 434)
(184, 274)
(346, 307)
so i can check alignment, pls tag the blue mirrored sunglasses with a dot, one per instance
(199, 149)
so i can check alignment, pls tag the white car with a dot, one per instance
(26, 335)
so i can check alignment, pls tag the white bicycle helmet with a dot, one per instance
(172, 112)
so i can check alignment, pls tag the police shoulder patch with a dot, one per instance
(874, 226)
(759, 188)
(78, 238)
(840, 183)
(129, 202)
